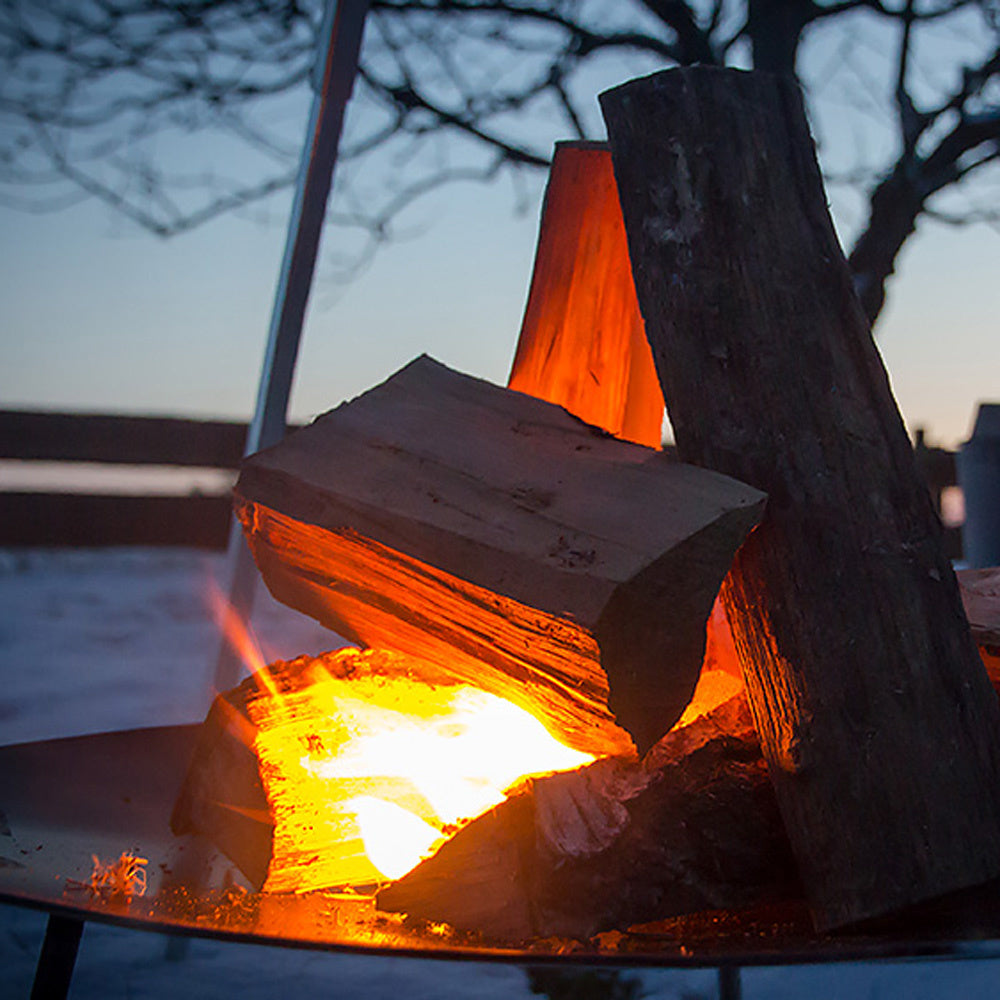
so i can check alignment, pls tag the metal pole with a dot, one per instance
(336, 68)
(730, 986)
(57, 958)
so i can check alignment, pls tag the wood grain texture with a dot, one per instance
(506, 543)
(877, 719)
(582, 344)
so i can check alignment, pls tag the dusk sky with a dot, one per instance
(100, 317)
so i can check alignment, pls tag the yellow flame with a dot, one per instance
(383, 766)
(365, 772)
(461, 747)
(395, 840)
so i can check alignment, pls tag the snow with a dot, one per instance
(95, 640)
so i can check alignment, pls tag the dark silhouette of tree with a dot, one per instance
(133, 101)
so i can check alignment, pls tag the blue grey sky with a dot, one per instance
(98, 316)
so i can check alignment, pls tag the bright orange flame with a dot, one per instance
(237, 633)
(714, 687)
(366, 775)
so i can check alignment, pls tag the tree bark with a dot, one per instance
(880, 728)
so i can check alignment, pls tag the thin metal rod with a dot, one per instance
(730, 985)
(57, 958)
(336, 68)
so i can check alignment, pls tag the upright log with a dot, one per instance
(879, 725)
(582, 343)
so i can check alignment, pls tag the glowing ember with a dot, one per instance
(395, 840)
(367, 770)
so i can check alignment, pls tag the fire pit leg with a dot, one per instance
(57, 958)
(730, 987)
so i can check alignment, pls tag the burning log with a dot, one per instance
(694, 827)
(878, 723)
(582, 343)
(345, 769)
(504, 543)
(315, 774)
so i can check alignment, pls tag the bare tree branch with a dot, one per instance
(113, 99)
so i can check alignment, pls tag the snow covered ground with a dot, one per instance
(113, 639)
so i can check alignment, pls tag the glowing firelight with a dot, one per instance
(237, 633)
(459, 746)
(367, 769)
(395, 839)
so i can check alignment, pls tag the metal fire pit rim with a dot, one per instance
(827, 952)
(119, 787)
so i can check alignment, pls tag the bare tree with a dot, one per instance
(137, 102)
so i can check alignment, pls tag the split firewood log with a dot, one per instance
(582, 344)
(505, 543)
(694, 827)
(289, 764)
(878, 722)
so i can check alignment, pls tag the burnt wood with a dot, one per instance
(877, 719)
(504, 542)
(695, 827)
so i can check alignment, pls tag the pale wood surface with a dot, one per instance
(506, 543)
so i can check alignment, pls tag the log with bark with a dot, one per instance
(582, 344)
(694, 827)
(878, 722)
(504, 543)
